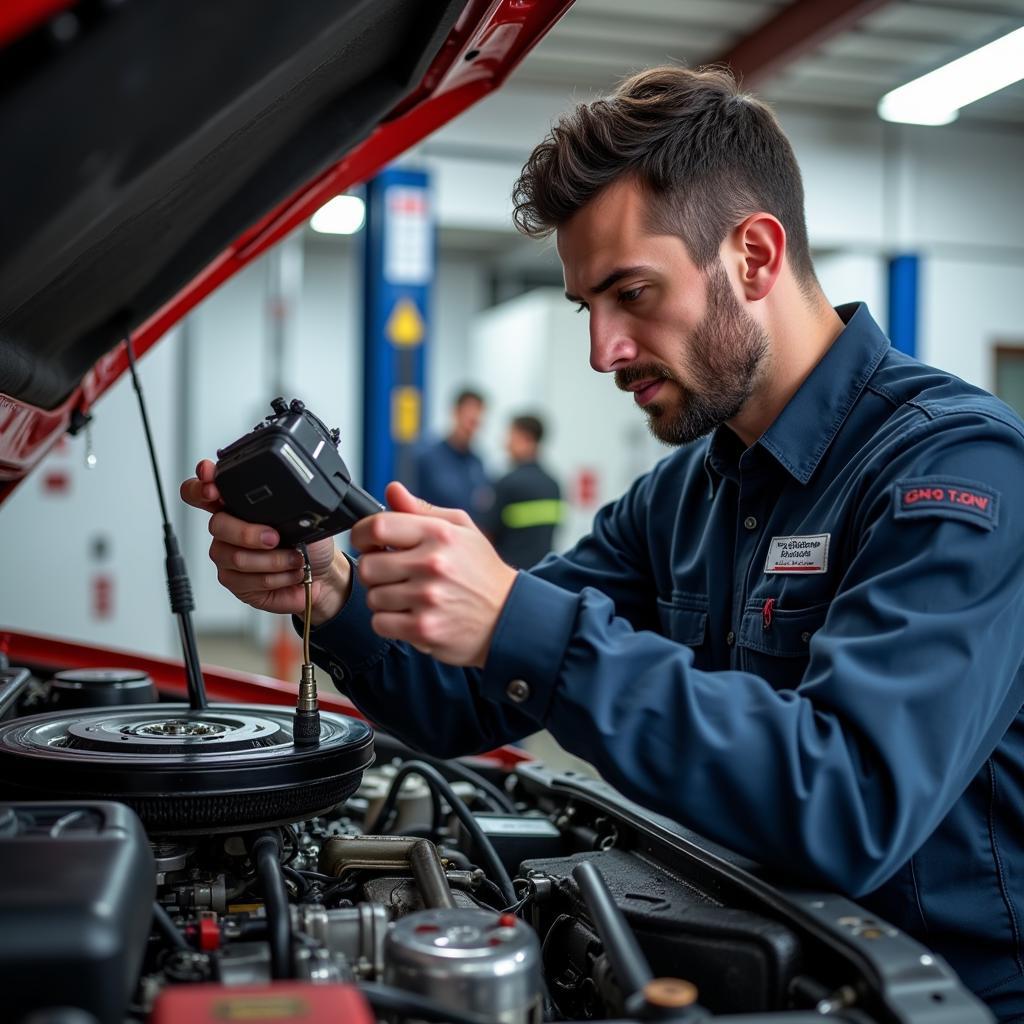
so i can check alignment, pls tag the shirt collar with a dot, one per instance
(803, 431)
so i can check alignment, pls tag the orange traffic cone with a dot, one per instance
(285, 653)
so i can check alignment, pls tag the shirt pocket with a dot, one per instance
(684, 618)
(778, 649)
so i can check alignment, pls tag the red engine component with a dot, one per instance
(282, 1002)
(209, 935)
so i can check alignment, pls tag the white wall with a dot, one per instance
(460, 290)
(973, 307)
(537, 348)
(50, 540)
(854, 276)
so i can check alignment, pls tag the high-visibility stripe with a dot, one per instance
(521, 514)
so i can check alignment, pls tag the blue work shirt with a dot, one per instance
(808, 650)
(452, 478)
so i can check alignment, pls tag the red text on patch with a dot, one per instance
(946, 496)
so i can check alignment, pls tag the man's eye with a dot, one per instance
(582, 306)
(632, 294)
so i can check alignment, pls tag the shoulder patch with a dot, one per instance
(947, 498)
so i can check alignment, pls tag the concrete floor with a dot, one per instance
(246, 655)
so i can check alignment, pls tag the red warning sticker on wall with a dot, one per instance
(947, 498)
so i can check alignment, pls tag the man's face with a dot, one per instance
(468, 414)
(519, 445)
(673, 335)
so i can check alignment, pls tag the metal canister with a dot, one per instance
(475, 961)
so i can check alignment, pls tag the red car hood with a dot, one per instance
(163, 146)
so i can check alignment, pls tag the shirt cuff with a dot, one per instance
(529, 644)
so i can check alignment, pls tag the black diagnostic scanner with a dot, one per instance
(287, 474)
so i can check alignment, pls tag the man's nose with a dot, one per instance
(610, 346)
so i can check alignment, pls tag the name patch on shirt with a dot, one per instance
(808, 553)
(948, 499)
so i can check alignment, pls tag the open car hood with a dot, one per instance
(162, 146)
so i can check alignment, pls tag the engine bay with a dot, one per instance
(161, 889)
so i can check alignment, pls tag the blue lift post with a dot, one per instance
(903, 284)
(398, 269)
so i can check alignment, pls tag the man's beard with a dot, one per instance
(723, 358)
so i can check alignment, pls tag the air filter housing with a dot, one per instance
(221, 769)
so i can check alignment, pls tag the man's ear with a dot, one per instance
(758, 248)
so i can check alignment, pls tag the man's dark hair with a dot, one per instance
(467, 395)
(706, 154)
(531, 426)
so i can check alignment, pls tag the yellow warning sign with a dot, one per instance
(405, 326)
(405, 415)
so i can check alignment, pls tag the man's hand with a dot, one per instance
(250, 565)
(432, 577)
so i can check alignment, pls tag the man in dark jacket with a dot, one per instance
(802, 633)
(527, 501)
(449, 473)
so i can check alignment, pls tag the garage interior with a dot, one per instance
(799, 804)
(947, 196)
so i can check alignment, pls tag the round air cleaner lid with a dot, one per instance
(101, 687)
(184, 771)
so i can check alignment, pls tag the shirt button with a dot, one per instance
(750, 523)
(806, 637)
(730, 638)
(518, 691)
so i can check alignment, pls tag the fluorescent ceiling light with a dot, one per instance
(936, 98)
(342, 215)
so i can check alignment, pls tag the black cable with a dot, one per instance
(407, 1004)
(436, 815)
(145, 426)
(266, 855)
(433, 831)
(315, 876)
(434, 778)
(501, 800)
(495, 897)
(170, 930)
(289, 833)
(179, 588)
(301, 883)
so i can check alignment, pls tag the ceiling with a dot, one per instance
(855, 53)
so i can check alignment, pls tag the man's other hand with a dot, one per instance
(255, 570)
(432, 578)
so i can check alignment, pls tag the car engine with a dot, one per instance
(161, 865)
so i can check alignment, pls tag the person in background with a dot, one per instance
(527, 501)
(449, 473)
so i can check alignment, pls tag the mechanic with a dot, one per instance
(527, 500)
(448, 472)
(801, 637)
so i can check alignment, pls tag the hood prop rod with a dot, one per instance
(178, 586)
